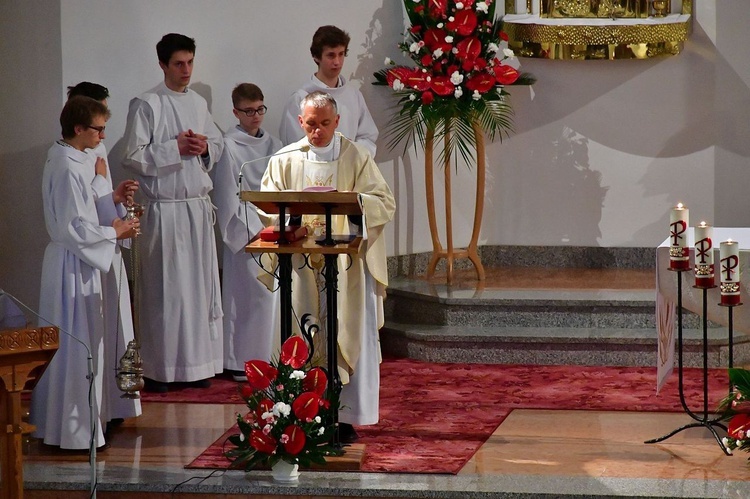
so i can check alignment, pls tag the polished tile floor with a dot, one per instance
(598, 454)
(532, 454)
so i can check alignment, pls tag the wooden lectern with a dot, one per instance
(24, 354)
(309, 203)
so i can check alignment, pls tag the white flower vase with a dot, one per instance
(284, 472)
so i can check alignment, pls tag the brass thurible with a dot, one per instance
(130, 371)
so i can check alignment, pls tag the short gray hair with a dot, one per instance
(318, 99)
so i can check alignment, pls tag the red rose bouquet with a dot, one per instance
(461, 67)
(291, 411)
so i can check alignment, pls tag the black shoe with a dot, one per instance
(347, 435)
(238, 375)
(154, 386)
(201, 383)
(112, 424)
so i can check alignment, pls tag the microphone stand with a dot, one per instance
(304, 148)
(92, 397)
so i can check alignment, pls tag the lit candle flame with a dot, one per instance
(680, 206)
(703, 224)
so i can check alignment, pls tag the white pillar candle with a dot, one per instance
(729, 261)
(679, 253)
(704, 256)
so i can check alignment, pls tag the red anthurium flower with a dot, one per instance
(480, 63)
(435, 39)
(416, 28)
(260, 374)
(503, 36)
(296, 441)
(468, 3)
(294, 352)
(315, 381)
(481, 82)
(739, 426)
(506, 75)
(246, 391)
(426, 60)
(263, 407)
(306, 406)
(442, 85)
(419, 8)
(397, 73)
(468, 49)
(418, 81)
(438, 8)
(262, 442)
(427, 98)
(464, 22)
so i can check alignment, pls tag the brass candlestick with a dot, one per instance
(130, 373)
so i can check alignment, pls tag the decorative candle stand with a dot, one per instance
(700, 420)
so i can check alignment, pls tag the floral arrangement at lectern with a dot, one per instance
(461, 69)
(291, 411)
(736, 407)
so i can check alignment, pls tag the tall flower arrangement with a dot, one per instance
(458, 80)
(290, 414)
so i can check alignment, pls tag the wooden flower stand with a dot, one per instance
(450, 253)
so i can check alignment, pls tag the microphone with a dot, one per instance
(92, 395)
(304, 148)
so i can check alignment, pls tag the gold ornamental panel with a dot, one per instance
(597, 35)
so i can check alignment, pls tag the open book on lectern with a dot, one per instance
(307, 202)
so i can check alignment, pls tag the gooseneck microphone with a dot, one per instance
(304, 148)
(92, 396)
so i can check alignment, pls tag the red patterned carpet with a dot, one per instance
(433, 417)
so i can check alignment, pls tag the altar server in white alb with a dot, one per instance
(115, 287)
(80, 252)
(251, 310)
(171, 145)
(329, 48)
(334, 161)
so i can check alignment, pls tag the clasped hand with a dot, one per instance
(192, 144)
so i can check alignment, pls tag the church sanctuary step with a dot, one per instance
(540, 315)
(552, 345)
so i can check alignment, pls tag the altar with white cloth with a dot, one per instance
(692, 298)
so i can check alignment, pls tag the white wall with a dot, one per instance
(601, 151)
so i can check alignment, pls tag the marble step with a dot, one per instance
(553, 345)
(542, 308)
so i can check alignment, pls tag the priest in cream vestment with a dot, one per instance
(332, 160)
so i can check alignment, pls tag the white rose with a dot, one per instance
(459, 5)
(482, 7)
(491, 47)
(388, 61)
(476, 95)
(457, 93)
(457, 78)
(437, 53)
(398, 85)
(412, 97)
(508, 53)
(449, 39)
(414, 47)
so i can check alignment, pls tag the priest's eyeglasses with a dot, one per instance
(99, 129)
(251, 112)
